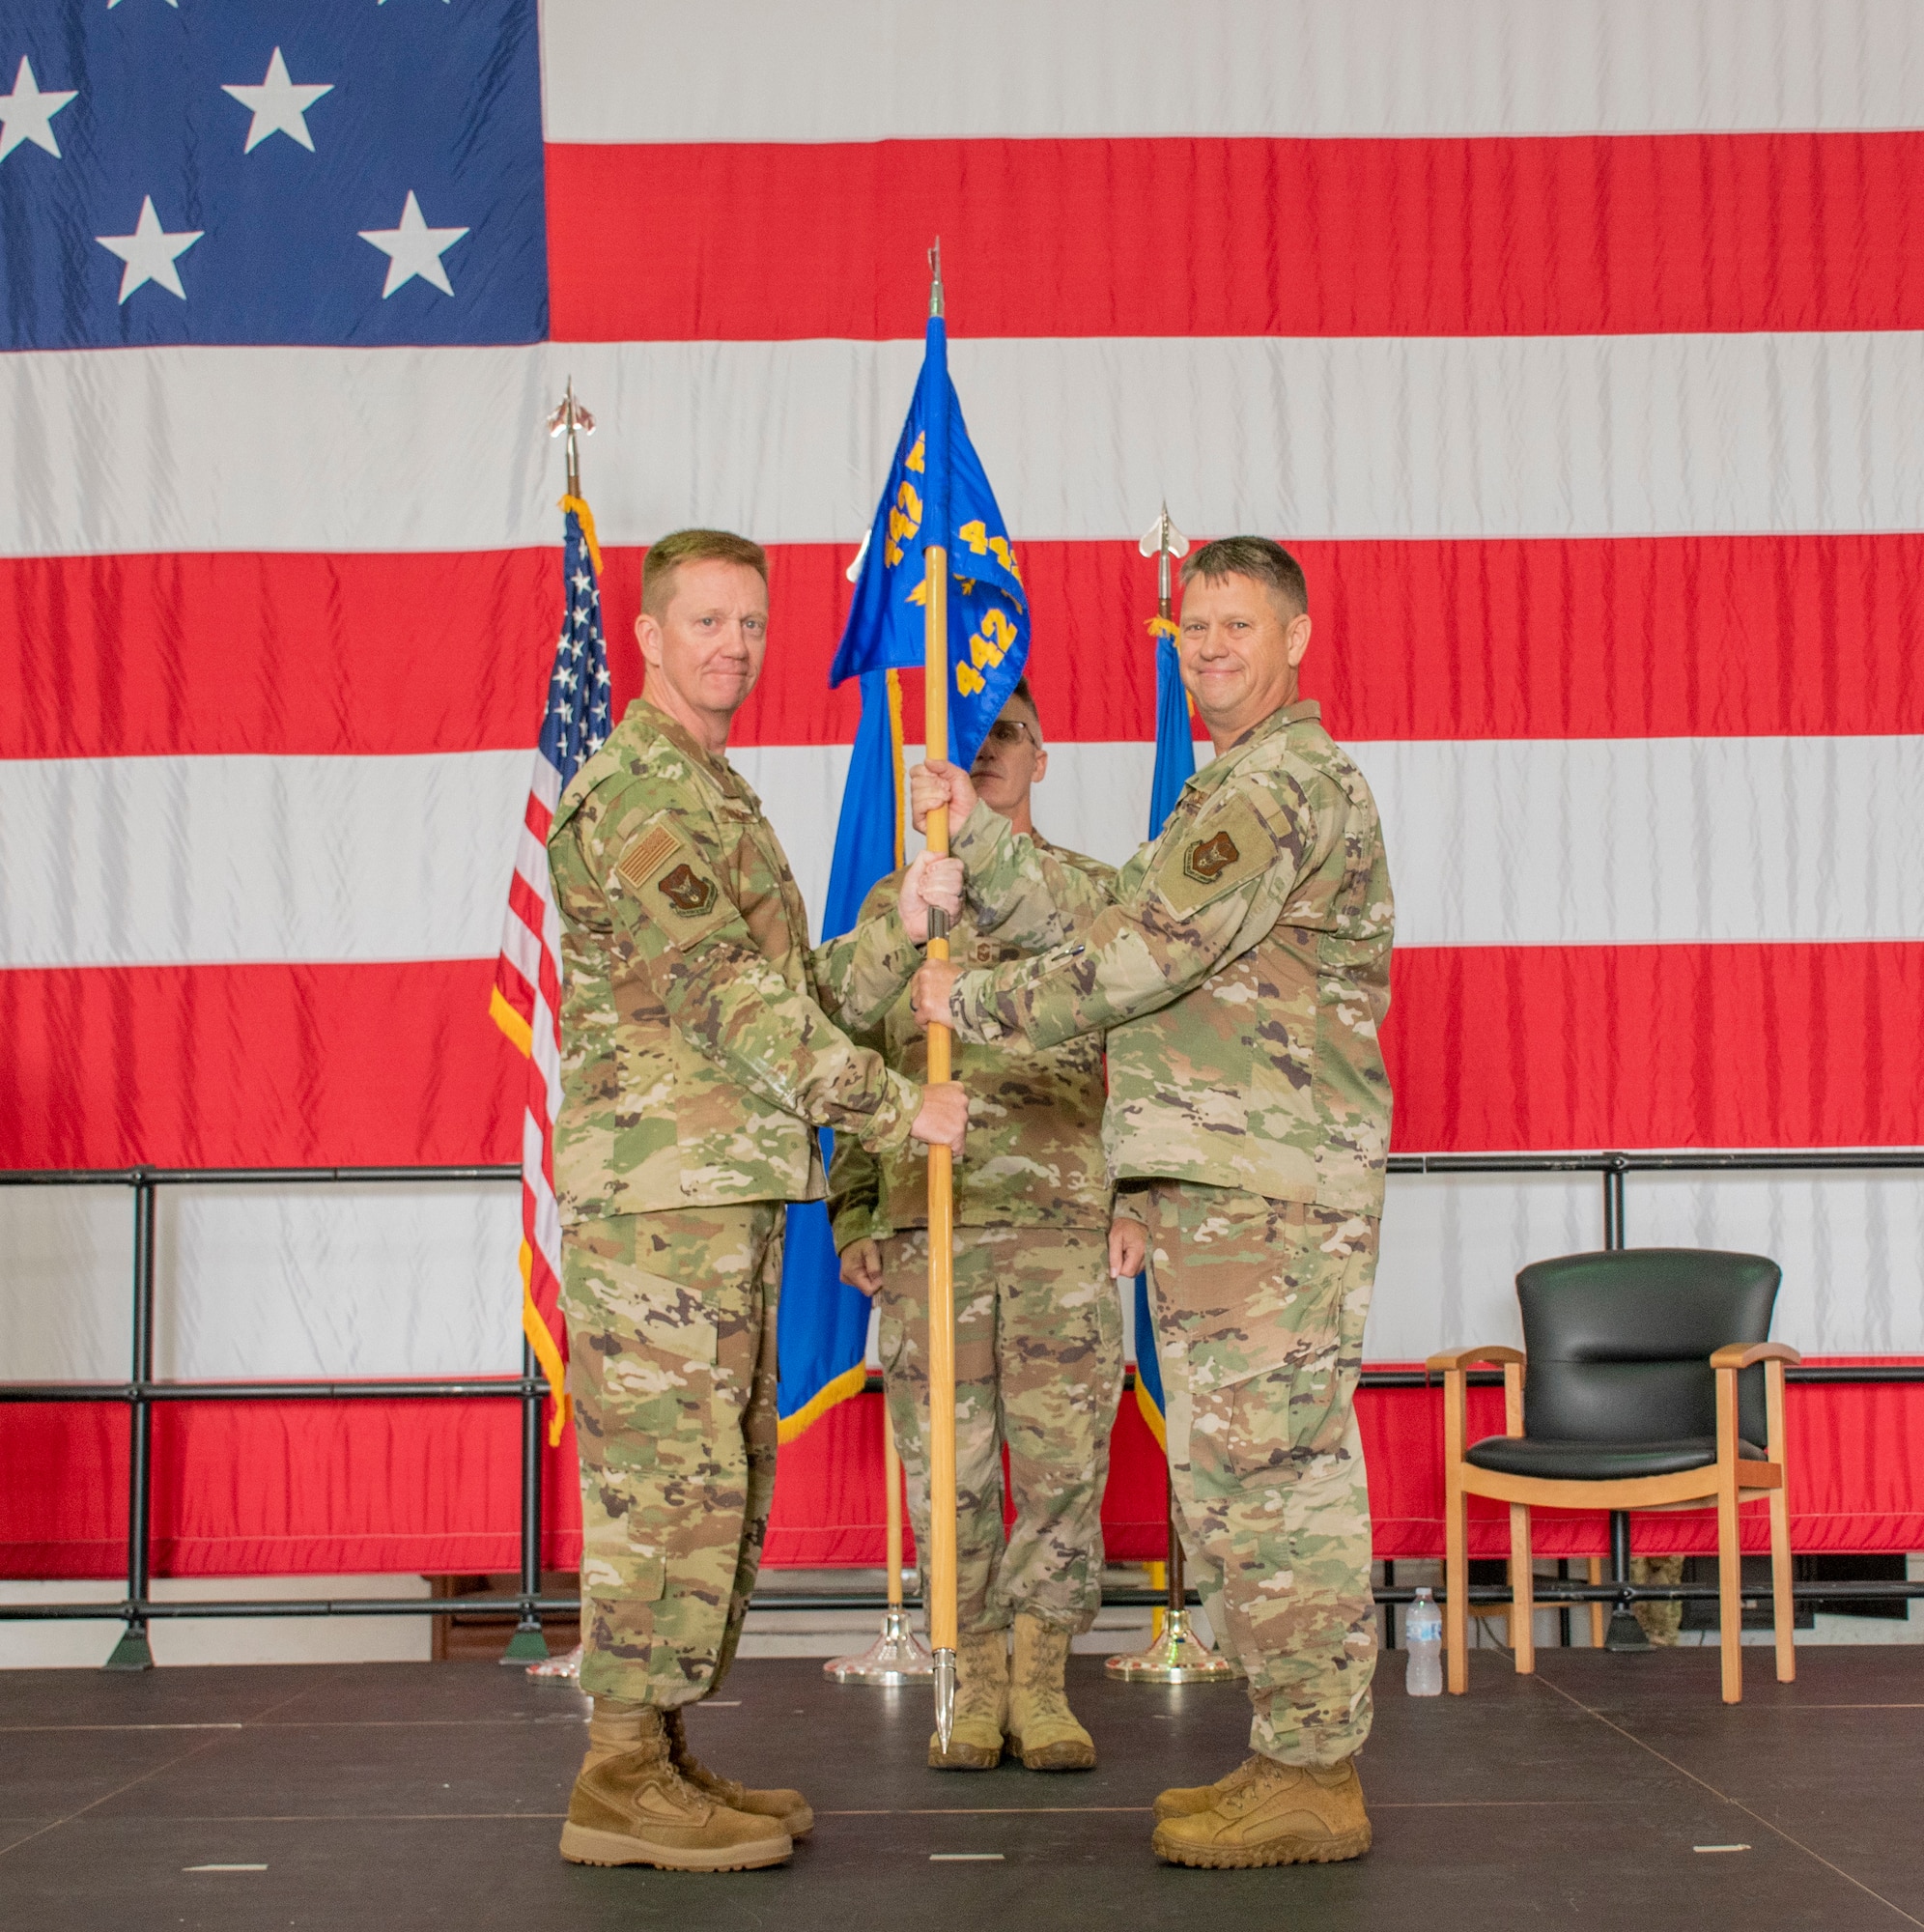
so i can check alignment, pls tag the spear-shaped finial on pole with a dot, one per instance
(570, 419)
(1163, 542)
(935, 278)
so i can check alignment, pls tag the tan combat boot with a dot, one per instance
(1042, 1729)
(789, 1808)
(630, 1807)
(1184, 1801)
(981, 1704)
(1267, 1813)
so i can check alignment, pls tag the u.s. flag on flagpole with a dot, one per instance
(526, 1000)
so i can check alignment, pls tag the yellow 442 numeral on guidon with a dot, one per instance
(986, 649)
(976, 537)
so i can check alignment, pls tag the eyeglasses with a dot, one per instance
(1009, 733)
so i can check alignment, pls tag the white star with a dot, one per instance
(280, 106)
(413, 249)
(24, 114)
(148, 252)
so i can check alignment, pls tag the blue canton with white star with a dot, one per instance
(359, 172)
(576, 719)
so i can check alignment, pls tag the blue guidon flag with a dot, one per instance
(824, 1323)
(988, 608)
(1175, 766)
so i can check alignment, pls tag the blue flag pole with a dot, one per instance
(1176, 1655)
(1175, 766)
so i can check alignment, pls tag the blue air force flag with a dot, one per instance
(1175, 766)
(938, 491)
(822, 1327)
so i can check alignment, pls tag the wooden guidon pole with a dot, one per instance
(941, 1204)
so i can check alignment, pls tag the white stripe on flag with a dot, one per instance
(1350, 437)
(1584, 841)
(848, 70)
(221, 860)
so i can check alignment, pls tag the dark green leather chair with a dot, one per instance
(1647, 1381)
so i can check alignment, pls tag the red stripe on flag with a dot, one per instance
(276, 653)
(256, 1067)
(1489, 1048)
(1565, 236)
(1495, 1048)
(1552, 638)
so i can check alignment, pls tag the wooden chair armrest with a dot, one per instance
(1744, 1354)
(1451, 1361)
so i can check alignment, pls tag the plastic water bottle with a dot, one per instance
(1423, 1632)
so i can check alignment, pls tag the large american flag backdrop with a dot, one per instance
(1576, 350)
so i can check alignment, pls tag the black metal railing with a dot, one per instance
(141, 1391)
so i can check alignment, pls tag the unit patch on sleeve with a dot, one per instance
(1209, 859)
(688, 891)
(1200, 863)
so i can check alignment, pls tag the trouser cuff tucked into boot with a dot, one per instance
(981, 1704)
(1042, 1729)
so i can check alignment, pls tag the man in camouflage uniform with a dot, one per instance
(1240, 965)
(1038, 1326)
(703, 1042)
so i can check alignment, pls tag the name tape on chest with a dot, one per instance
(1230, 846)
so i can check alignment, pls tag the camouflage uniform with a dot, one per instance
(1038, 1325)
(702, 1044)
(1241, 968)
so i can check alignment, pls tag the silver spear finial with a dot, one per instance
(570, 419)
(1163, 542)
(935, 277)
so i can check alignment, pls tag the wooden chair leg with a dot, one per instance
(1522, 1592)
(1730, 1595)
(1593, 1572)
(1783, 1608)
(1456, 1590)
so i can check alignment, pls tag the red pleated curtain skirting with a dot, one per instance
(433, 1488)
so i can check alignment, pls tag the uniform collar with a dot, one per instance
(651, 717)
(1218, 768)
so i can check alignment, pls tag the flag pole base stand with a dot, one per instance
(563, 1669)
(527, 1645)
(1177, 1657)
(132, 1652)
(898, 1656)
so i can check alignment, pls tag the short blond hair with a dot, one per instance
(666, 555)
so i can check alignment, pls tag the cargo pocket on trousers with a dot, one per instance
(612, 1577)
(1300, 1407)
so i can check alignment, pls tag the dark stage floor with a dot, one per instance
(429, 1795)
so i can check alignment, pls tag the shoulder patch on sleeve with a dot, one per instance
(645, 857)
(675, 885)
(1226, 848)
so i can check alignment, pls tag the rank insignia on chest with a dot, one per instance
(688, 891)
(1210, 857)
